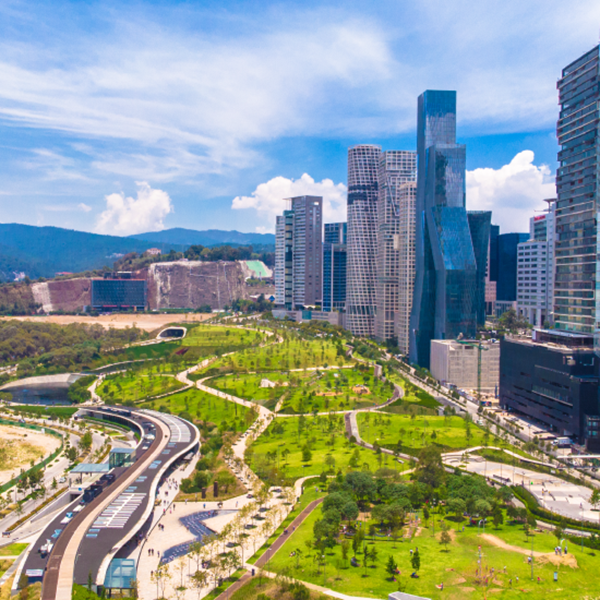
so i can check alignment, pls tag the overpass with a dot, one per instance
(85, 543)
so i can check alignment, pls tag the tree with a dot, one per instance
(306, 454)
(85, 442)
(345, 550)
(445, 538)
(430, 469)
(391, 567)
(415, 560)
(457, 506)
(559, 533)
(498, 517)
(513, 322)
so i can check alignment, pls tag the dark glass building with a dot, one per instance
(551, 378)
(445, 293)
(118, 294)
(479, 225)
(577, 178)
(494, 233)
(334, 267)
(506, 283)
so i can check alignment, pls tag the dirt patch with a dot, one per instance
(19, 446)
(544, 557)
(459, 580)
(467, 590)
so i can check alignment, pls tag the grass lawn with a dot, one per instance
(308, 391)
(449, 433)
(136, 385)
(206, 407)
(262, 586)
(289, 355)
(277, 454)
(456, 567)
(13, 549)
(225, 339)
(43, 411)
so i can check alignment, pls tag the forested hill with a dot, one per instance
(45, 251)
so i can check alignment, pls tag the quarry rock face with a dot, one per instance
(69, 295)
(190, 284)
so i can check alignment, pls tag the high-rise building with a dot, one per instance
(406, 262)
(479, 224)
(506, 285)
(576, 300)
(491, 276)
(396, 167)
(363, 166)
(445, 295)
(334, 267)
(535, 270)
(299, 253)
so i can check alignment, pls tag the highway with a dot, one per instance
(88, 540)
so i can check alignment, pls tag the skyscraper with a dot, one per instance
(406, 262)
(299, 253)
(506, 286)
(334, 267)
(479, 224)
(576, 299)
(445, 295)
(396, 167)
(363, 164)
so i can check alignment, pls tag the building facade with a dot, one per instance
(535, 271)
(396, 167)
(445, 293)
(506, 284)
(551, 378)
(363, 192)
(406, 263)
(576, 280)
(457, 362)
(118, 294)
(334, 267)
(299, 253)
(479, 225)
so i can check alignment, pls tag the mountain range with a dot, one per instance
(45, 251)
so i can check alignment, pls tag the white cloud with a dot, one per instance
(127, 216)
(512, 192)
(57, 208)
(83, 207)
(268, 199)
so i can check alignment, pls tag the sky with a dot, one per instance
(121, 118)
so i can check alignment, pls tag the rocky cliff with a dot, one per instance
(69, 295)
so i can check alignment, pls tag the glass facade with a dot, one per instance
(363, 191)
(480, 223)
(334, 267)
(506, 285)
(118, 294)
(446, 291)
(576, 301)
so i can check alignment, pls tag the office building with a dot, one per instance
(506, 283)
(445, 293)
(334, 267)
(406, 262)
(118, 293)
(363, 166)
(396, 167)
(551, 378)
(491, 276)
(576, 302)
(299, 253)
(457, 362)
(479, 225)
(535, 271)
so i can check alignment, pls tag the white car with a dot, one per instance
(46, 548)
(62, 480)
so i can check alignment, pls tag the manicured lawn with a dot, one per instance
(289, 355)
(449, 433)
(136, 385)
(270, 459)
(227, 339)
(12, 549)
(456, 567)
(308, 391)
(43, 411)
(206, 407)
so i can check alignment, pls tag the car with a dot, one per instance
(62, 480)
(249, 496)
(56, 533)
(46, 548)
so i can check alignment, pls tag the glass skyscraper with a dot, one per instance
(577, 278)
(446, 291)
(480, 222)
(363, 164)
(334, 267)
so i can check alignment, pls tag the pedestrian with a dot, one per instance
(510, 582)
(538, 580)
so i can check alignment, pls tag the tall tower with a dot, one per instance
(334, 267)
(576, 299)
(396, 167)
(299, 253)
(363, 165)
(406, 262)
(445, 295)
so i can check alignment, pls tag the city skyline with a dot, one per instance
(82, 130)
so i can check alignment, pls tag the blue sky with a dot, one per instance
(127, 117)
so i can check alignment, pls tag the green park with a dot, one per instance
(132, 386)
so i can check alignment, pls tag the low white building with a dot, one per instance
(456, 361)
